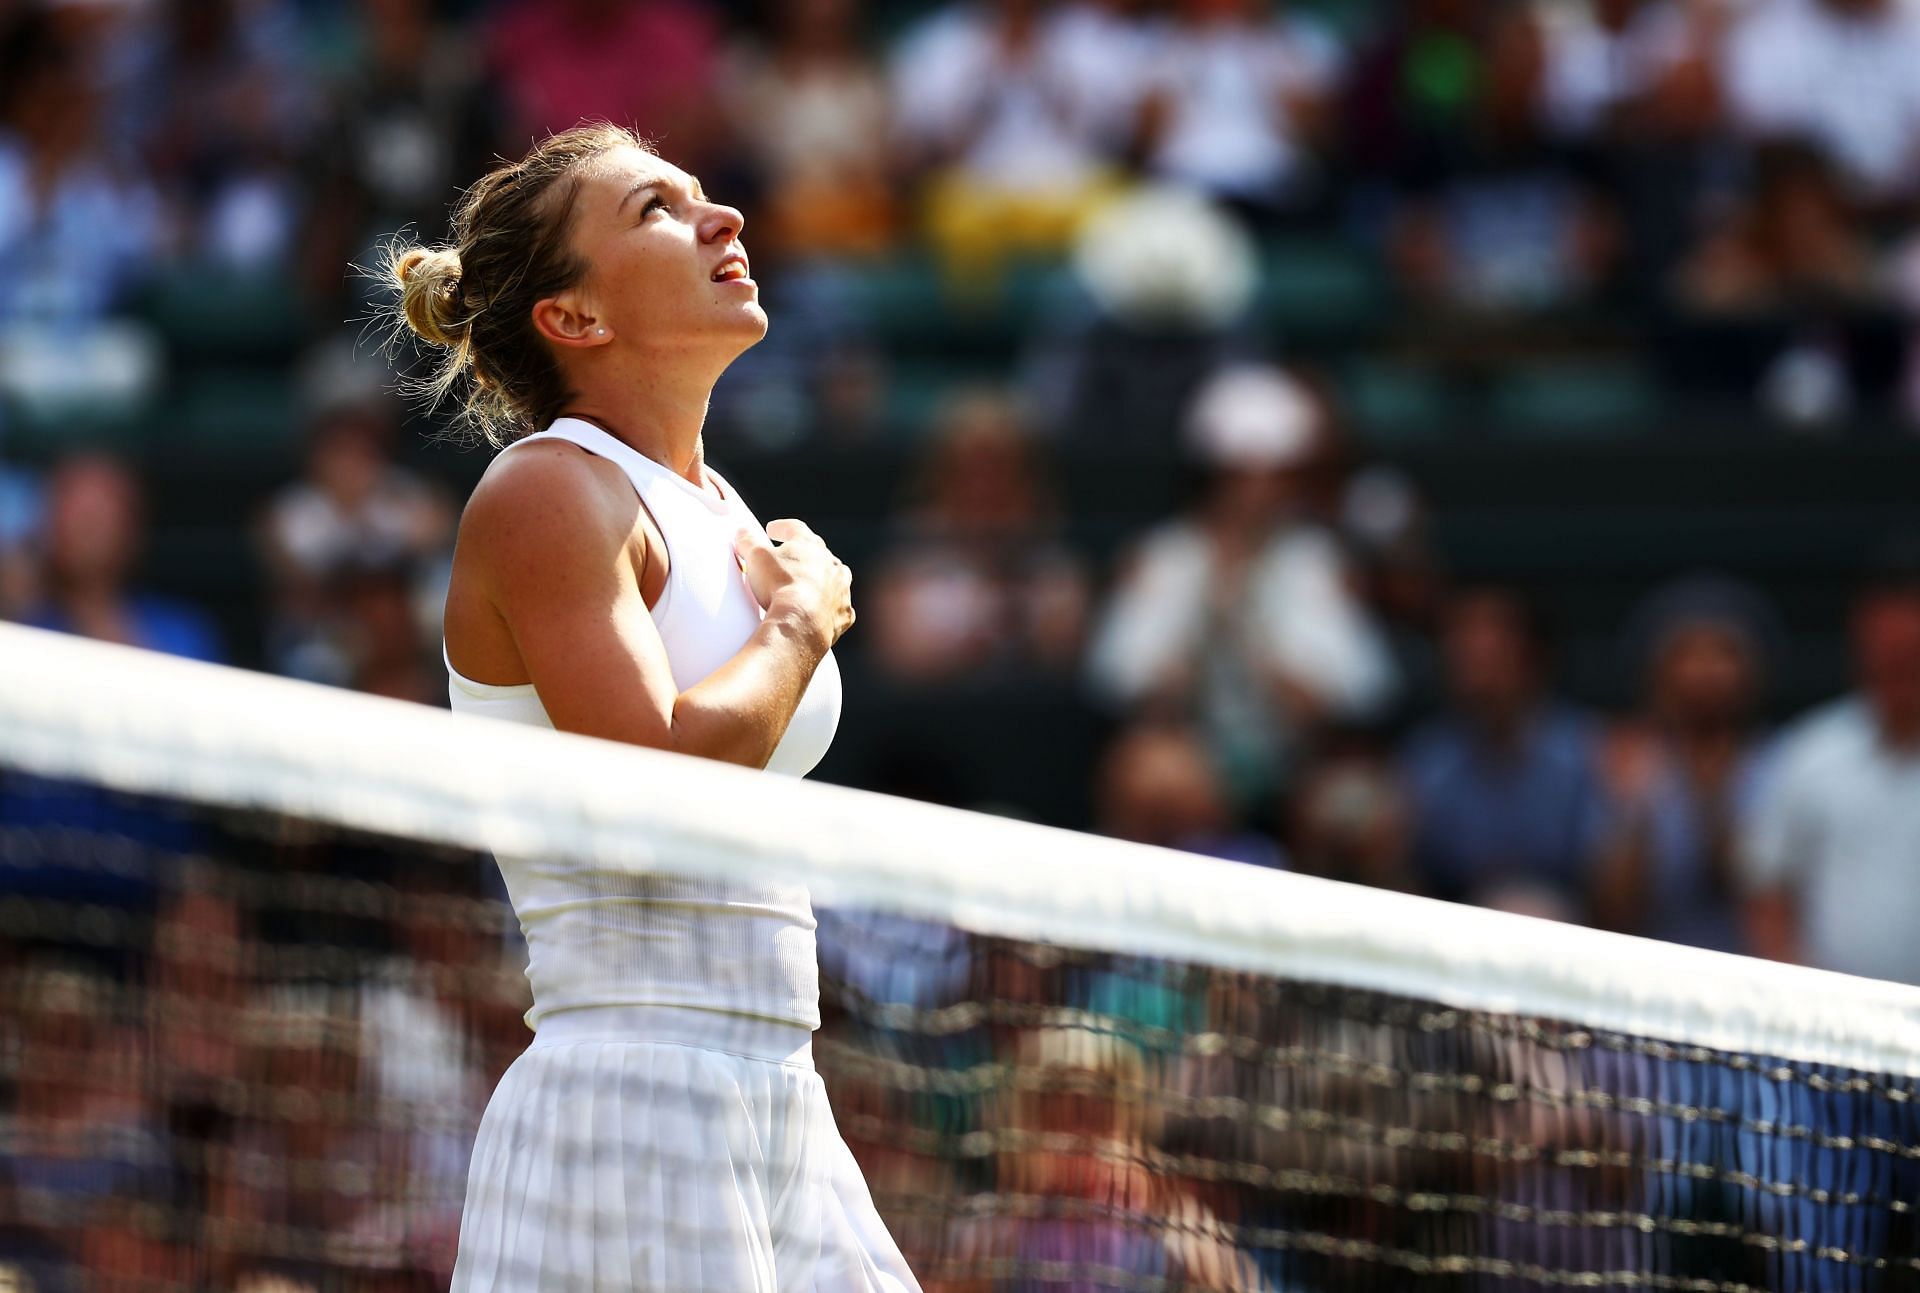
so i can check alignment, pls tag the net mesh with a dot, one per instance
(260, 980)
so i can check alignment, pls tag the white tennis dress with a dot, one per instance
(666, 1130)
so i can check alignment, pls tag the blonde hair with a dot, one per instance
(472, 300)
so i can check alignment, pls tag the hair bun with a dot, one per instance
(429, 280)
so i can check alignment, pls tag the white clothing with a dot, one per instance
(319, 536)
(1592, 71)
(1226, 128)
(1290, 613)
(1852, 83)
(617, 938)
(659, 1150)
(666, 1130)
(705, 613)
(1295, 614)
(1837, 822)
(1031, 124)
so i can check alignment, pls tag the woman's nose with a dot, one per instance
(723, 223)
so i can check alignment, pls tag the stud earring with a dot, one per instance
(599, 332)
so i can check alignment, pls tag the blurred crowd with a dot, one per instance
(1685, 164)
(1710, 199)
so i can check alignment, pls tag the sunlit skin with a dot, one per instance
(557, 563)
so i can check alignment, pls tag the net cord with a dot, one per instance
(153, 724)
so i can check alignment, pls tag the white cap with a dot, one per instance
(1165, 255)
(1253, 416)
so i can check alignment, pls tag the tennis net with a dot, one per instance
(260, 978)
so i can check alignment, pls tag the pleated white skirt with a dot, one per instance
(652, 1150)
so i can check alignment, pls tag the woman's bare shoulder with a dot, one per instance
(550, 497)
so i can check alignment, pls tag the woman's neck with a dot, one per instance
(660, 420)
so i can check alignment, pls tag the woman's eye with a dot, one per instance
(653, 204)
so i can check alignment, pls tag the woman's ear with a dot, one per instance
(561, 320)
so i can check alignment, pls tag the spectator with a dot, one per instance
(1239, 99)
(79, 231)
(1492, 218)
(1630, 90)
(648, 63)
(203, 958)
(1687, 770)
(411, 120)
(1507, 798)
(1412, 95)
(1352, 820)
(83, 1129)
(380, 635)
(117, 843)
(811, 111)
(1841, 73)
(78, 223)
(1784, 300)
(1163, 291)
(1795, 242)
(976, 578)
(1614, 69)
(996, 104)
(1157, 785)
(94, 523)
(1081, 1081)
(227, 112)
(338, 540)
(127, 1244)
(420, 1055)
(1832, 846)
(1239, 612)
(309, 1156)
(1386, 525)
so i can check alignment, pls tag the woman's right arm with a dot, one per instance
(556, 546)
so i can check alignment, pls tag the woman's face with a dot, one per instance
(665, 266)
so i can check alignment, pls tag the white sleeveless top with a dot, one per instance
(610, 938)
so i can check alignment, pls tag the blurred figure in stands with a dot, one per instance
(1076, 1139)
(1784, 297)
(1832, 847)
(80, 228)
(1157, 784)
(308, 1156)
(1687, 770)
(84, 1128)
(377, 627)
(1631, 91)
(1507, 797)
(1795, 242)
(1387, 526)
(1352, 819)
(1238, 100)
(1485, 214)
(1239, 613)
(810, 108)
(90, 548)
(561, 62)
(225, 112)
(1840, 72)
(976, 578)
(338, 541)
(411, 112)
(86, 553)
(1011, 110)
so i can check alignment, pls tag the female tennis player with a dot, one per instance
(665, 1130)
